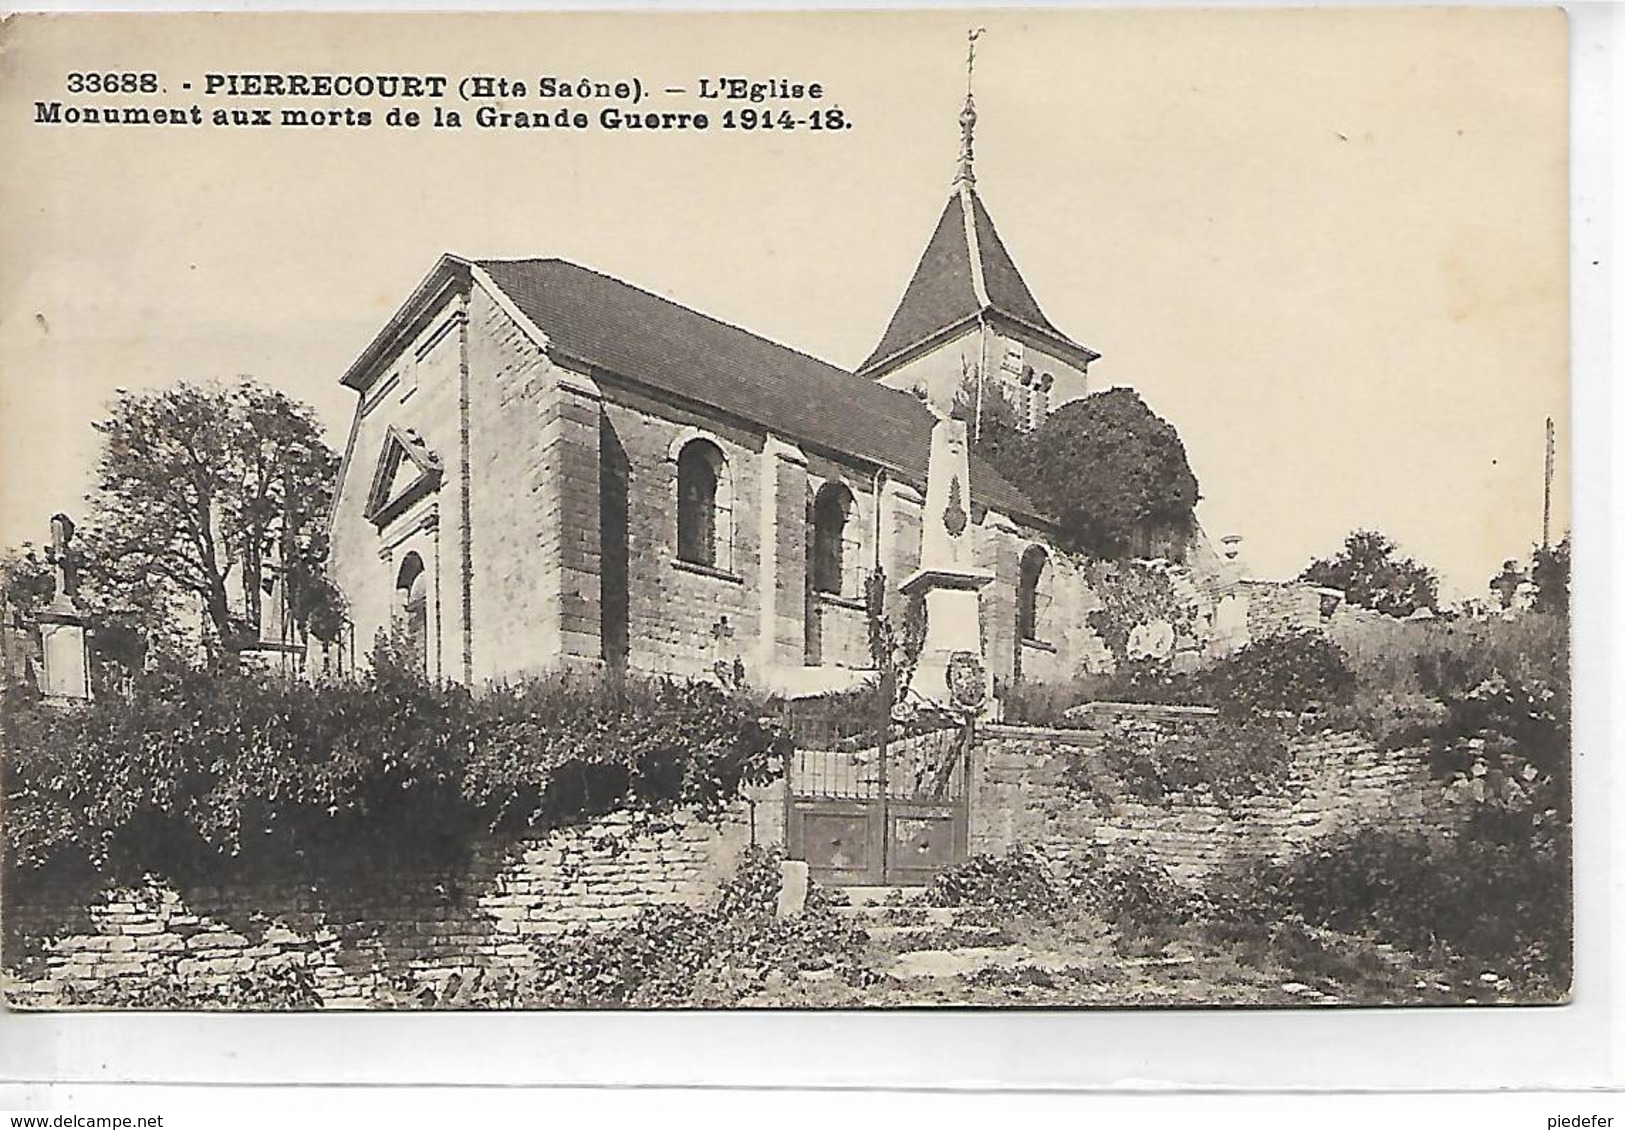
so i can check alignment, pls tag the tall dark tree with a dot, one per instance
(200, 490)
(1112, 473)
(1550, 573)
(1372, 574)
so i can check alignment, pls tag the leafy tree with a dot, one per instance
(1505, 583)
(1550, 572)
(26, 580)
(993, 425)
(1110, 471)
(1371, 574)
(203, 491)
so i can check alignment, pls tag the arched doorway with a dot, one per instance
(412, 611)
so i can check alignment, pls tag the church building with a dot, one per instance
(548, 467)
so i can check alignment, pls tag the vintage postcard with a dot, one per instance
(795, 510)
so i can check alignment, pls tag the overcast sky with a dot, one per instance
(1330, 247)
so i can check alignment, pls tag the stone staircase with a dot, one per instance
(934, 946)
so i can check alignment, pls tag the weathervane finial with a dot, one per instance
(967, 116)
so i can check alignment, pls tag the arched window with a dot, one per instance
(412, 610)
(702, 517)
(831, 508)
(1041, 395)
(1032, 595)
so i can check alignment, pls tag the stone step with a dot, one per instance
(880, 914)
(955, 937)
(925, 965)
(880, 896)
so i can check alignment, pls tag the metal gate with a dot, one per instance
(878, 806)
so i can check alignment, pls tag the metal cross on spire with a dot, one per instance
(967, 116)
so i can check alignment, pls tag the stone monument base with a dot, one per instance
(953, 627)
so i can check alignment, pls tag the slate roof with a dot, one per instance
(943, 292)
(657, 343)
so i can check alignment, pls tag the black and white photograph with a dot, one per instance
(1004, 509)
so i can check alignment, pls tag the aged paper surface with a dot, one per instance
(680, 348)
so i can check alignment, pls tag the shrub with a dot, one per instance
(196, 774)
(554, 748)
(1139, 899)
(1407, 662)
(717, 954)
(1296, 672)
(1018, 883)
(287, 986)
(1228, 759)
(1506, 906)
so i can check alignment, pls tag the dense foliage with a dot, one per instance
(1505, 907)
(288, 985)
(1486, 702)
(1291, 673)
(1227, 761)
(1112, 473)
(717, 954)
(1017, 883)
(1409, 676)
(1550, 572)
(1547, 571)
(202, 493)
(1370, 573)
(208, 774)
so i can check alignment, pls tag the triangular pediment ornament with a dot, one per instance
(405, 472)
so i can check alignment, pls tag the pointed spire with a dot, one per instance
(967, 118)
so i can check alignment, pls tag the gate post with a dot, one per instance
(885, 786)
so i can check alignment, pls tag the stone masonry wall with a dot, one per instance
(682, 618)
(412, 928)
(1281, 607)
(418, 389)
(1338, 780)
(515, 508)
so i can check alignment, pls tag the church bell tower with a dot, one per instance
(967, 318)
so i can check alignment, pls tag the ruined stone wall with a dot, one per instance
(1281, 607)
(1157, 609)
(1020, 796)
(411, 928)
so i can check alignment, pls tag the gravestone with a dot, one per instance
(65, 659)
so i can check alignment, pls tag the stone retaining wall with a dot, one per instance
(393, 930)
(1019, 796)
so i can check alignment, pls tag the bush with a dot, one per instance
(287, 986)
(196, 774)
(714, 955)
(1139, 899)
(1228, 760)
(1296, 672)
(1505, 906)
(1407, 672)
(1019, 883)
